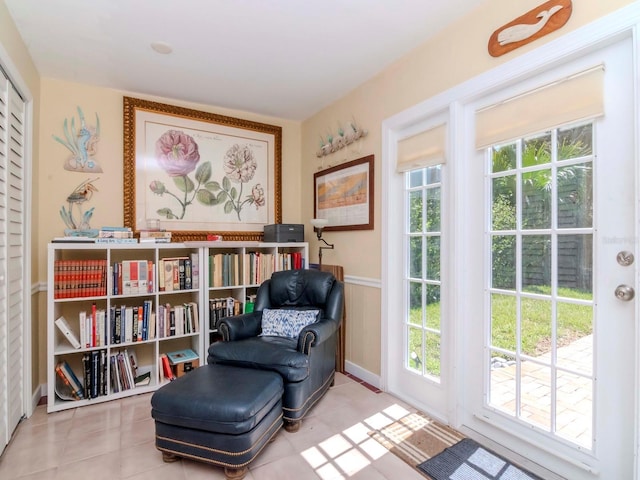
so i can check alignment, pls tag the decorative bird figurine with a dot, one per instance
(81, 194)
(517, 33)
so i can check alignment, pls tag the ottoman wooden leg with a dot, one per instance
(169, 457)
(292, 426)
(235, 473)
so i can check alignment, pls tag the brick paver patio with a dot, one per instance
(574, 393)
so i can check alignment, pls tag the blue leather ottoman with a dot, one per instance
(218, 414)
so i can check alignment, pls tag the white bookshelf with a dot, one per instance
(147, 351)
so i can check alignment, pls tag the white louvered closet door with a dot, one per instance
(11, 259)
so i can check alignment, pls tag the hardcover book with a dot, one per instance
(69, 334)
(182, 356)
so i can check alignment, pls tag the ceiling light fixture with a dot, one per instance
(162, 47)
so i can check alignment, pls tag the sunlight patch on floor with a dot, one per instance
(347, 453)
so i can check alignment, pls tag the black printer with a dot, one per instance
(284, 232)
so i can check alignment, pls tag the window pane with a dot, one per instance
(415, 212)
(503, 158)
(433, 210)
(432, 354)
(537, 150)
(503, 322)
(434, 174)
(415, 349)
(415, 257)
(415, 303)
(503, 382)
(536, 394)
(574, 327)
(503, 208)
(503, 262)
(536, 199)
(433, 258)
(575, 408)
(575, 196)
(575, 266)
(415, 178)
(536, 263)
(433, 307)
(535, 319)
(575, 142)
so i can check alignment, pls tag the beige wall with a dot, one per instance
(453, 56)
(19, 58)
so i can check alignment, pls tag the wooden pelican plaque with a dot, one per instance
(536, 23)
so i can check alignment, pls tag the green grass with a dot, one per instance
(573, 321)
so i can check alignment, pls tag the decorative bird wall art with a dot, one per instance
(540, 21)
(74, 216)
(82, 143)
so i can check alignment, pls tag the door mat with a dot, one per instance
(416, 438)
(469, 460)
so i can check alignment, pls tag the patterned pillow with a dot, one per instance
(281, 322)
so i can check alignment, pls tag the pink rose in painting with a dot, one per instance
(239, 164)
(177, 153)
(257, 192)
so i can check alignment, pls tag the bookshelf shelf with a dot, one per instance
(103, 362)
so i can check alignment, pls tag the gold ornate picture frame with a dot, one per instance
(200, 173)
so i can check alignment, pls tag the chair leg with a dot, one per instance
(292, 426)
(235, 473)
(169, 457)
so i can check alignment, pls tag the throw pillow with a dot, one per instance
(282, 322)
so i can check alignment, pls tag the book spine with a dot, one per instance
(95, 373)
(188, 274)
(115, 383)
(195, 271)
(62, 375)
(145, 320)
(75, 383)
(138, 337)
(182, 285)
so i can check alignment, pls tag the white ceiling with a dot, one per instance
(283, 58)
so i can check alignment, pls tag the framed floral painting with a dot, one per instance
(199, 173)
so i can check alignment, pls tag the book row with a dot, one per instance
(130, 324)
(79, 278)
(252, 268)
(179, 273)
(220, 308)
(88, 278)
(123, 375)
(94, 374)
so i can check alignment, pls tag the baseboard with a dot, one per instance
(362, 374)
(38, 393)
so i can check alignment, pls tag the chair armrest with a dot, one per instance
(240, 326)
(316, 333)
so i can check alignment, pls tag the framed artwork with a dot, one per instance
(199, 173)
(344, 195)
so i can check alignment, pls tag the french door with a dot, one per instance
(551, 361)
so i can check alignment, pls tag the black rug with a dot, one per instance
(468, 460)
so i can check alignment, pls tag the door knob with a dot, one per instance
(625, 293)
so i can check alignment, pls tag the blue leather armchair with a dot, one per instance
(307, 363)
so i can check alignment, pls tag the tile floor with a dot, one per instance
(115, 440)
